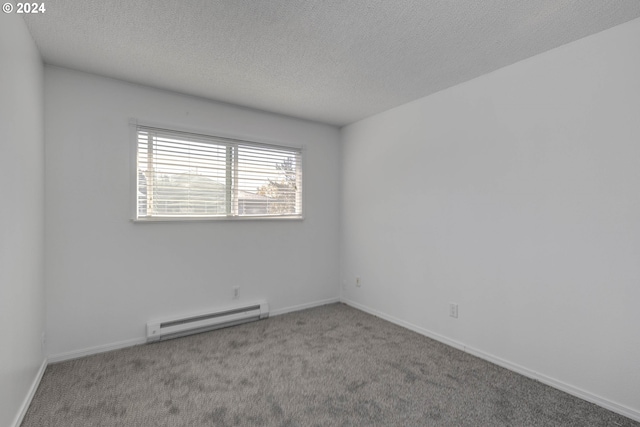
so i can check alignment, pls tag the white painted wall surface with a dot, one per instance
(517, 196)
(106, 276)
(22, 309)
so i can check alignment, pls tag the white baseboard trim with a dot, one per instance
(559, 385)
(76, 354)
(303, 306)
(407, 325)
(552, 382)
(32, 391)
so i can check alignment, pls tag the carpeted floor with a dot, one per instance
(326, 366)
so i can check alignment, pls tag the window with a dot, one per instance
(189, 176)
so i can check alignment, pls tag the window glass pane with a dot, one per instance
(268, 181)
(181, 176)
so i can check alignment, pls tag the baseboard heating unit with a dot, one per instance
(202, 322)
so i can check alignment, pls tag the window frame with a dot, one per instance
(134, 126)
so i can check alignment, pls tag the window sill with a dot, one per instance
(217, 218)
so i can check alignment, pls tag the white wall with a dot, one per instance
(517, 196)
(106, 276)
(22, 309)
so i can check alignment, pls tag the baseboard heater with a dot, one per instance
(202, 322)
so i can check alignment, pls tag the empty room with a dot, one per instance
(320, 213)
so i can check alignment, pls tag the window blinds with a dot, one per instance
(183, 175)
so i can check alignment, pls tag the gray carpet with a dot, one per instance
(326, 366)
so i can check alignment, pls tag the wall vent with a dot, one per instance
(201, 322)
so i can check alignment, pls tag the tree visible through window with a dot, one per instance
(282, 191)
(182, 175)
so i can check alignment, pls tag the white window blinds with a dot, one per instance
(186, 176)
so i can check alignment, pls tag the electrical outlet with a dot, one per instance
(236, 292)
(358, 282)
(453, 310)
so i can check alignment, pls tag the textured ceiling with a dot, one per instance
(333, 61)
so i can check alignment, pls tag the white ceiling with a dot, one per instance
(333, 61)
